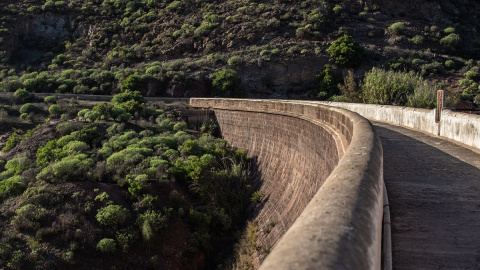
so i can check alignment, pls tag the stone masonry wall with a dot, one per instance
(292, 165)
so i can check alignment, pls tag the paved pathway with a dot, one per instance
(434, 192)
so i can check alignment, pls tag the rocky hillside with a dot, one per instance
(172, 48)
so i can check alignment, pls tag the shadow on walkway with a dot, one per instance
(434, 200)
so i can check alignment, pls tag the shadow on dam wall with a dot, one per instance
(320, 169)
(291, 165)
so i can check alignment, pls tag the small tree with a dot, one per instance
(27, 108)
(22, 94)
(327, 83)
(226, 84)
(129, 100)
(54, 109)
(107, 245)
(451, 41)
(345, 51)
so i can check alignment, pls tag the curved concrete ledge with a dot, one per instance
(318, 163)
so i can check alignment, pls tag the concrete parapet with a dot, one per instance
(460, 127)
(421, 119)
(322, 176)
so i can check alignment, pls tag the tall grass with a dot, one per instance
(397, 88)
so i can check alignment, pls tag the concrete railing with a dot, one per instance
(321, 164)
(456, 126)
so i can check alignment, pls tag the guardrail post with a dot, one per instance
(440, 106)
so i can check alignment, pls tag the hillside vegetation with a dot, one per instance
(110, 189)
(174, 48)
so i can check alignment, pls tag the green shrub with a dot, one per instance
(345, 51)
(28, 217)
(180, 126)
(204, 28)
(431, 68)
(11, 187)
(418, 39)
(107, 245)
(396, 88)
(54, 109)
(226, 84)
(234, 60)
(257, 196)
(327, 83)
(337, 9)
(175, 5)
(276, 51)
(17, 165)
(64, 128)
(112, 215)
(450, 64)
(92, 116)
(396, 28)
(472, 75)
(451, 41)
(130, 101)
(22, 93)
(449, 30)
(165, 124)
(46, 153)
(50, 99)
(27, 108)
(83, 112)
(13, 140)
(424, 96)
(151, 223)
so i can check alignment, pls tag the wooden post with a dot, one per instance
(440, 104)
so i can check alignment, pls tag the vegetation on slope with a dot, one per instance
(102, 194)
(174, 48)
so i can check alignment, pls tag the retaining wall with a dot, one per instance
(320, 169)
(461, 127)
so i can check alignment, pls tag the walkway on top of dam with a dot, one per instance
(433, 187)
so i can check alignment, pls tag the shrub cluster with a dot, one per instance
(345, 51)
(397, 88)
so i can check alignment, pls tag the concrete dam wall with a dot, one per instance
(321, 174)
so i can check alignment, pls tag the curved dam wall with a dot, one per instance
(320, 169)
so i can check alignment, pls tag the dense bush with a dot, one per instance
(50, 99)
(345, 51)
(27, 108)
(396, 28)
(11, 187)
(327, 83)
(451, 42)
(225, 83)
(107, 245)
(22, 93)
(397, 88)
(54, 109)
(112, 215)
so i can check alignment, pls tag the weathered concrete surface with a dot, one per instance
(297, 145)
(433, 188)
(461, 127)
(421, 119)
